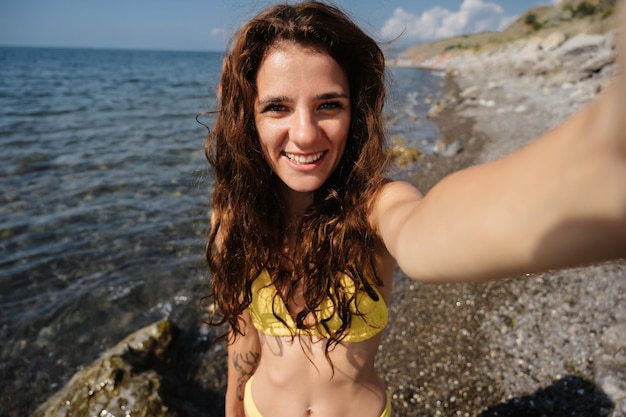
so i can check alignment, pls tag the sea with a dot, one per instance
(104, 199)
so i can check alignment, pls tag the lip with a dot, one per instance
(305, 160)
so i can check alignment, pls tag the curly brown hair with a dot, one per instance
(334, 236)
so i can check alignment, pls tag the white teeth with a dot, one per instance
(299, 159)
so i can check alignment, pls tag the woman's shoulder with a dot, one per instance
(392, 198)
(392, 193)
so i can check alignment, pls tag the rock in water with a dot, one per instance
(120, 383)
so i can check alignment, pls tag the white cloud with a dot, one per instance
(218, 33)
(437, 22)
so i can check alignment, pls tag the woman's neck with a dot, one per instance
(296, 204)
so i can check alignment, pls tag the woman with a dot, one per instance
(306, 230)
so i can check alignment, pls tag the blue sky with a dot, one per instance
(207, 24)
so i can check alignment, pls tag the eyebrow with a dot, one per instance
(328, 96)
(283, 99)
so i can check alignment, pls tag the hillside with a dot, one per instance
(569, 17)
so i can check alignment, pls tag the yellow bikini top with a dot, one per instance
(371, 319)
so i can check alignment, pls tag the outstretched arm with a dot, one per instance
(558, 202)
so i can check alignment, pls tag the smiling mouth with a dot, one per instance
(304, 159)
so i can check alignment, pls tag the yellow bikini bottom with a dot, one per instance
(252, 411)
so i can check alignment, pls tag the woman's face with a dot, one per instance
(302, 114)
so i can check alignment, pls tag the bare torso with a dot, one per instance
(295, 378)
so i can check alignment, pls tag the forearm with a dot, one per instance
(244, 353)
(559, 202)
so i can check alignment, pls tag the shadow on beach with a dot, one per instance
(570, 396)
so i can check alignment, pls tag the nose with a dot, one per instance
(304, 129)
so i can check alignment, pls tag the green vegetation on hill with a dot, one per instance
(569, 17)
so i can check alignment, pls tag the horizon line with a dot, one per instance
(111, 48)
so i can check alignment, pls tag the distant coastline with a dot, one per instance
(568, 18)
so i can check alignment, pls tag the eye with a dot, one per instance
(274, 108)
(331, 105)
